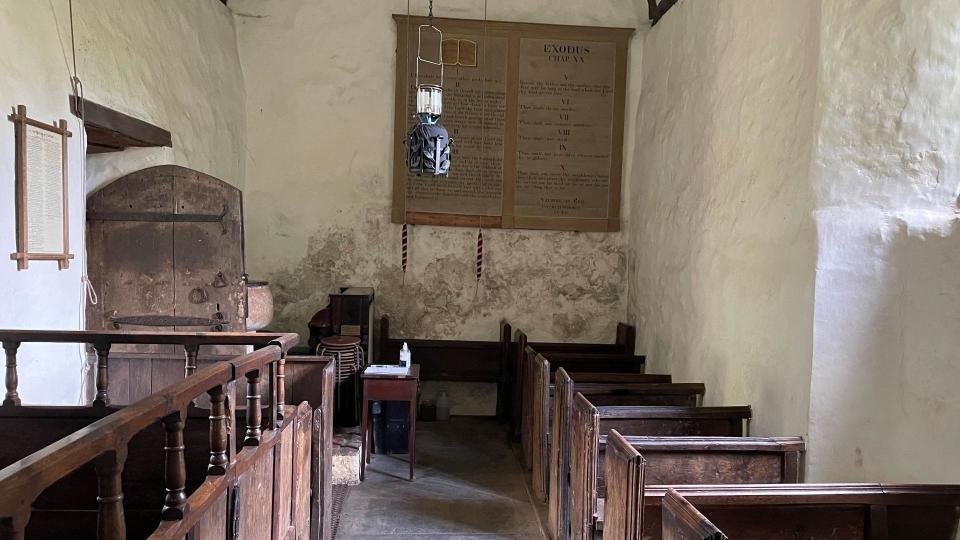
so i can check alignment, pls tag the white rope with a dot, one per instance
(88, 294)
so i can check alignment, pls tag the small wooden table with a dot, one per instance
(389, 388)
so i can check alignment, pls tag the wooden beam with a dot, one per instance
(111, 131)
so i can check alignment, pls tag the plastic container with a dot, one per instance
(405, 356)
(443, 407)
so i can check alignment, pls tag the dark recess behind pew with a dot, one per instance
(444, 360)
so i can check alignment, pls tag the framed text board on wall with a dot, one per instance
(41, 191)
(535, 113)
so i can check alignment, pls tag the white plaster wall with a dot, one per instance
(319, 80)
(722, 242)
(35, 75)
(884, 404)
(170, 62)
(173, 63)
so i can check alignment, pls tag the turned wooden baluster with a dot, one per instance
(103, 377)
(110, 519)
(218, 432)
(273, 415)
(190, 367)
(281, 387)
(252, 437)
(12, 397)
(175, 468)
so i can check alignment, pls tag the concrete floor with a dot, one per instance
(468, 484)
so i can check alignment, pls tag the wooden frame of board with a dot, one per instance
(513, 33)
(23, 255)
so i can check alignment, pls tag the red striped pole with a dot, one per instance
(403, 250)
(479, 255)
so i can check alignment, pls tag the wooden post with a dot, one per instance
(252, 437)
(103, 377)
(12, 381)
(218, 432)
(281, 387)
(230, 409)
(273, 411)
(503, 378)
(175, 469)
(14, 527)
(190, 365)
(110, 518)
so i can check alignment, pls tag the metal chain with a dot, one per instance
(431, 9)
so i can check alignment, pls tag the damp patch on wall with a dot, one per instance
(555, 285)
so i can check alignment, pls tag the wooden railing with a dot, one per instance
(102, 342)
(104, 442)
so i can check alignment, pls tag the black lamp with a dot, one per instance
(428, 144)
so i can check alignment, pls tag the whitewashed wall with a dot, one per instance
(320, 84)
(36, 75)
(884, 403)
(723, 245)
(173, 63)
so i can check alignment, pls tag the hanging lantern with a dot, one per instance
(428, 144)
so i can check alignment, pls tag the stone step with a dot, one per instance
(346, 456)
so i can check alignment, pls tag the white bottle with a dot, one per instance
(443, 407)
(405, 356)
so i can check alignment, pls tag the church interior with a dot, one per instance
(478, 269)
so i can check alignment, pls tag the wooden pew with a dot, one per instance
(644, 390)
(769, 511)
(515, 354)
(69, 508)
(710, 460)
(161, 461)
(790, 511)
(695, 460)
(576, 501)
(311, 379)
(559, 460)
(584, 362)
(682, 520)
(625, 468)
(612, 376)
(454, 360)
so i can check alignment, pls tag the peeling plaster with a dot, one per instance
(318, 212)
(439, 297)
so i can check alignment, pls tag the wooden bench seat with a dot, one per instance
(515, 355)
(612, 376)
(682, 520)
(701, 460)
(769, 511)
(537, 436)
(789, 511)
(711, 460)
(573, 504)
(533, 381)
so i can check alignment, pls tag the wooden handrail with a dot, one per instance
(106, 442)
(114, 337)
(103, 340)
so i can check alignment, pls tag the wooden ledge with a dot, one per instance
(112, 131)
